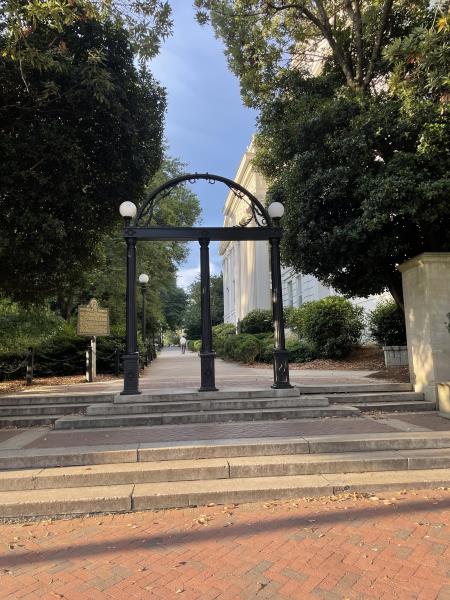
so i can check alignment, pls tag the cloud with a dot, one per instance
(187, 276)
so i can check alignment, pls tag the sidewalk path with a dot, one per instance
(173, 371)
(394, 546)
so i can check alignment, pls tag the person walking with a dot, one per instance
(183, 342)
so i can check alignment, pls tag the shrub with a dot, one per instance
(21, 328)
(332, 326)
(243, 347)
(257, 321)
(220, 335)
(387, 324)
(196, 345)
(299, 351)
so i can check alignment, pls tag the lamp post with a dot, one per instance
(143, 280)
(131, 357)
(280, 355)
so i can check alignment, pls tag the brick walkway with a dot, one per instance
(387, 547)
(175, 371)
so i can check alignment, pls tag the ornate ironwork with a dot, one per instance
(257, 213)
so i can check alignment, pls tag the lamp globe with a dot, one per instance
(128, 210)
(276, 210)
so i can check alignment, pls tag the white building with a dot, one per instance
(246, 265)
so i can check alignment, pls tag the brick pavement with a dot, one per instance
(390, 547)
(211, 431)
(173, 370)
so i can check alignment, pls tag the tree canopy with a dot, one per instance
(106, 280)
(147, 23)
(353, 130)
(193, 317)
(76, 140)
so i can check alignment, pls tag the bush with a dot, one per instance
(257, 321)
(220, 335)
(387, 324)
(300, 351)
(21, 328)
(332, 326)
(196, 345)
(65, 354)
(243, 347)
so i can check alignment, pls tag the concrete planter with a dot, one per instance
(395, 356)
(443, 397)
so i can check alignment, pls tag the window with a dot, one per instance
(290, 293)
(299, 290)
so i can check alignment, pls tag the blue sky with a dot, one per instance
(207, 126)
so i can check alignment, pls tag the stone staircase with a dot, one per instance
(90, 480)
(84, 411)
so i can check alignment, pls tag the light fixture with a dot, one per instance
(128, 210)
(276, 210)
(143, 278)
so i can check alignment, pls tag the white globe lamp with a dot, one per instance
(143, 278)
(276, 210)
(128, 210)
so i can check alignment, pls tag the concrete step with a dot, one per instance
(224, 491)
(415, 406)
(38, 458)
(207, 405)
(29, 421)
(374, 397)
(22, 399)
(355, 388)
(182, 396)
(43, 409)
(121, 498)
(266, 414)
(221, 468)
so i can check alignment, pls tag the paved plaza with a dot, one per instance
(391, 546)
(174, 371)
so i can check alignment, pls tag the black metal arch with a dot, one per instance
(267, 229)
(258, 212)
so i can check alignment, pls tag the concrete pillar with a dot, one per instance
(426, 289)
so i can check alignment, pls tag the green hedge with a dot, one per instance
(387, 324)
(257, 321)
(221, 333)
(331, 326)
(194, 345)
(243, 347)
(65, 354)
(300, 351)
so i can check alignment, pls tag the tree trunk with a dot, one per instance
(396, 289)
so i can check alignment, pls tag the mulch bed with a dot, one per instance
(367, 358)
(17, 385)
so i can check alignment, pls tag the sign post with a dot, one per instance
(93, 321)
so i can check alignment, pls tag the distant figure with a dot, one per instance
(183, 342)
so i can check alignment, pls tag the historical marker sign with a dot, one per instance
(93, 320)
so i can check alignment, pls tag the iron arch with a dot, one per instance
(258, 212)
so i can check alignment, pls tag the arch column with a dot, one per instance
(207, 355)
(131, 357)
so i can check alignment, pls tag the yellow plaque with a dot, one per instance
(93, 320)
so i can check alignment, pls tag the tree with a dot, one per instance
(264, 38)
(174, 301)
(193, 317)
(353, 132)
(147, 23)
(76, 140)
(106, 280)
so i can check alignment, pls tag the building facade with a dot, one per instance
(246, 265)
